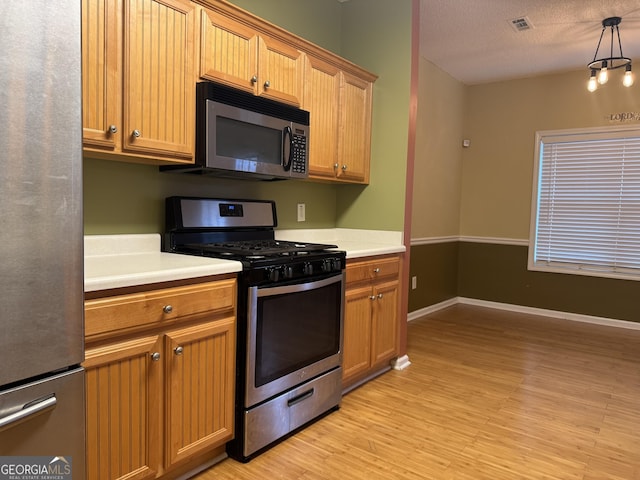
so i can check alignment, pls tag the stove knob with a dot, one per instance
(287, 271)
(337, 264)
(307, 269)
(327, 265)
(274, 274)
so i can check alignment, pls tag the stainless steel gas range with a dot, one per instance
(290, 315)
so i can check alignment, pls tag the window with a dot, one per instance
(586, 202)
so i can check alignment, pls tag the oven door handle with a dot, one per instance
(298, 287)
(300, 398)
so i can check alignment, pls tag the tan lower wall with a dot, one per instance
(436, 268)
(498, 273)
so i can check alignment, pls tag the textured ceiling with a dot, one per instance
(474, 42)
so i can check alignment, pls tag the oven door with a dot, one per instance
(294, 334)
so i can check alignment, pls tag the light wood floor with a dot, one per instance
(489, 395)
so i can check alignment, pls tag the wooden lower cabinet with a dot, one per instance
(162, 397)
(200, 370)
(124, 414)
(370, 317)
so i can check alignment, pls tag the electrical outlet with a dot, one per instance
(301, 212)
(414, 282)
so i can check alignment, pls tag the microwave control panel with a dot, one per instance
(299, 153)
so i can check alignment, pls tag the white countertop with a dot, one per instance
(357, 243)
(115, 261)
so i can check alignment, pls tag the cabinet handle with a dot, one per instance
(113, 129)
(372, 297)
(335, 165)
(254, 79)
(155, 356)
(135, 133)
(267, 84)
(167, 309)
(344, 168)
(178, 350)
(376, 270)
(379, 295)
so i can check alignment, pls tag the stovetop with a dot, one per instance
(259, 248)
(241, 230)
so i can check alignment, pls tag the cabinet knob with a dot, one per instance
(155, 356)
(113, 129)
(167, 309)
(178, 350)
(376, 270)
(344, 168)
(335, 165)
(267, 84)
(379, 295)
(135, 133)
(254, 79)
(372, 297)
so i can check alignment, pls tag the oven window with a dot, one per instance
(248, 142)
(295, 330)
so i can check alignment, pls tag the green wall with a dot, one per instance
(376, 34)
(318, 21)
(128, 198)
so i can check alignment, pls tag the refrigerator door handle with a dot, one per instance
(29, 410)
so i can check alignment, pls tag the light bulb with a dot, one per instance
(592, 85)
(603, 76)
(627, 80)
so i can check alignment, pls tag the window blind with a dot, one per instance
(588, 203)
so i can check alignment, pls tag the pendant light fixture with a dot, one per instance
(600, 67)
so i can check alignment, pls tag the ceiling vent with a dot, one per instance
(520, 24)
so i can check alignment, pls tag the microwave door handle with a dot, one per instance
(286, 163)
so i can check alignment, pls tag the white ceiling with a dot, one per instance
(474, 42)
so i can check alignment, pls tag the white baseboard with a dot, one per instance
(574, 317)
(431, 309)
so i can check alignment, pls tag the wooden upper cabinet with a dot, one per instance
(228, 51)
(321, 94)
(340, 111)
(280, 71)
(138, 79)
(101, 80)
(354, 143)
(159, 91)
(234, 54)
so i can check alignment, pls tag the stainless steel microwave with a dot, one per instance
(242, 135)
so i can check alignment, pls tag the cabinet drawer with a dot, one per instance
(139, 310)
(372, 269)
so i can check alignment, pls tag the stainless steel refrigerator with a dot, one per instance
(41, 237)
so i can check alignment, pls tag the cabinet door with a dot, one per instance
(101, 80)
(280, 71)
(357, 333)
(124, 410)
(354, 147)
(200, 366)
(159, 87)
(384, 326)
(321, 93)
(228, 51)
